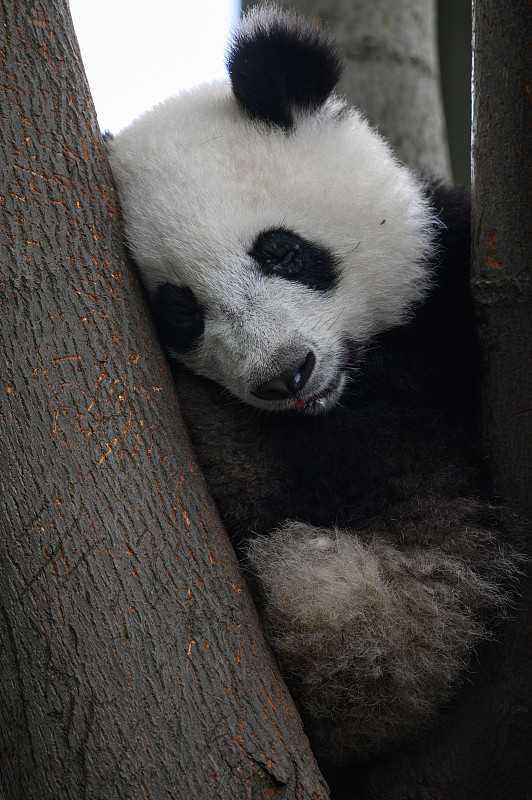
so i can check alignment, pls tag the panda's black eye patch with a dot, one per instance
(178, 316)
(279, 251)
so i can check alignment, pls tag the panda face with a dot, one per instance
(272, 251)
(264, 334)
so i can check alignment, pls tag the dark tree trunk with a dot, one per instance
(502, 213)
(131, 661)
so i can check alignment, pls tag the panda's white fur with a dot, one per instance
(376, 561)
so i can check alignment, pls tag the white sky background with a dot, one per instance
(137, 53)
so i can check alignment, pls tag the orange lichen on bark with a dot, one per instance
(491, 258)
(186, 518)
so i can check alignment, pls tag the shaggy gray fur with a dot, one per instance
(371, 638)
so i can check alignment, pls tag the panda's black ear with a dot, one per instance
(279, 62)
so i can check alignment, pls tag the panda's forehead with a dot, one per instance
(219, 161)
(200, 155)
(199, 181)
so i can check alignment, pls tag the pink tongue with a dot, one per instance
(300, 403)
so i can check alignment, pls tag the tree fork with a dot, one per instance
(132, 660)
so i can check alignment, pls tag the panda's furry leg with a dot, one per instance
(370, 637)
(373, 616)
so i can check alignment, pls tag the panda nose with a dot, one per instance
(289, 382)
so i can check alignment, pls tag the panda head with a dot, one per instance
(272, 226)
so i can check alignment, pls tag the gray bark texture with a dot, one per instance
(132, 663)
(391, 72)
(502, 257)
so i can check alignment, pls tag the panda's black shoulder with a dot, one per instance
(452, 205)
(447, 313)
(435, 355)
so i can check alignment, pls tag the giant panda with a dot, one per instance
(314, 291)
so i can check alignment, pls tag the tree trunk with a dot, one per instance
(391, 72)
(131, 658)
(502, 210)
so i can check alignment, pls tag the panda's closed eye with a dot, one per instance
(279, 251)
(279, 254)
(179, 317)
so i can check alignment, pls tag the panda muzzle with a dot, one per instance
(289, 383)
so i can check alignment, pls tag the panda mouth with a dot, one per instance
(321, 400)
(326, 398)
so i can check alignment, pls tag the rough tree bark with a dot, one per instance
(502, 210)
(131, 660)
(391, 72)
